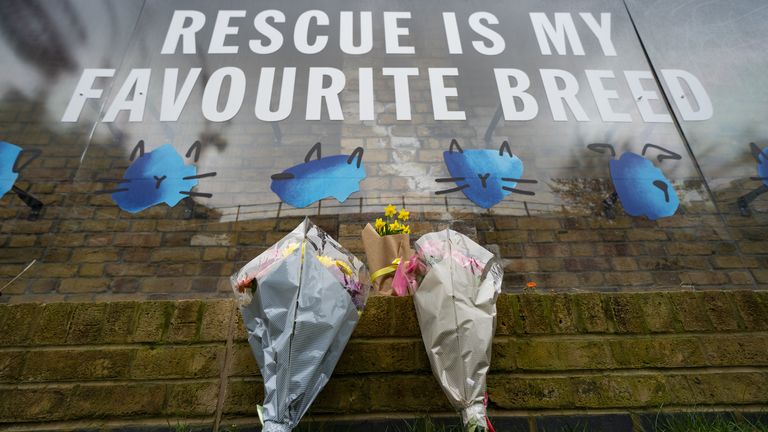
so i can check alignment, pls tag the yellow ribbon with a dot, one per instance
(386, 270)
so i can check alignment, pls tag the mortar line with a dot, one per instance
(614, 337)
(530, 413)
(558, 373)
(381, 415)
(518, 373)
(563, 337)
(224, 377)
(103, 383)
(611, 337)
(88, 424)
(112, 347)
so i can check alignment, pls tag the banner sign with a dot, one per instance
(257, 109)
(242, 32)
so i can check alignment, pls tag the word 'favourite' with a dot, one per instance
(226, 89)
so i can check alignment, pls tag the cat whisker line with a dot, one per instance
(758, 178)
(456, 189)
(518, 191)
(196, 194)
(283, 176)
(449, 180)
(526, 181)
(110, 191)
(199, 176)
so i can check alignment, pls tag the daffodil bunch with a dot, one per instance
(393, 221)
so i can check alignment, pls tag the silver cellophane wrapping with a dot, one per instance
(299, 318)
(456, 309)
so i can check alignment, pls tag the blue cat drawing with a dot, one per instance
(155, 177)
(761, 156)
(336, 176)
(642, 187)
(484, 176)
(11, 164)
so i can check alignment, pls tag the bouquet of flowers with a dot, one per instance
(456, 307)
(387, 244)
(300, 301)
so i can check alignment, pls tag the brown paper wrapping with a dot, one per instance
(380, 252)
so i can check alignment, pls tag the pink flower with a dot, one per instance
(400, 281)
(408, 275)
(432, 248)
(415, 265)
(474, 265)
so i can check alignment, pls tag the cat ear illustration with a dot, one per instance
(315, 148)
(139, 148)
(455, 144)
(666, 154)
(505, 147)
(194, 148)
(319, 178)
(357, 153)
(601, 148)
(33, 154)
(484, 176)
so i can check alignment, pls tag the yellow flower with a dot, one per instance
(390, 210)
(290, 249)
(404, 215)
(326, 261)
(344, 267)
(380, 224)
(406, 229)
(394, 226)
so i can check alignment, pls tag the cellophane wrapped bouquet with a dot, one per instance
(455, 283)
(300, 301)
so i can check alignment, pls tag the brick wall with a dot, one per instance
(156, 363)
(115, 256)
